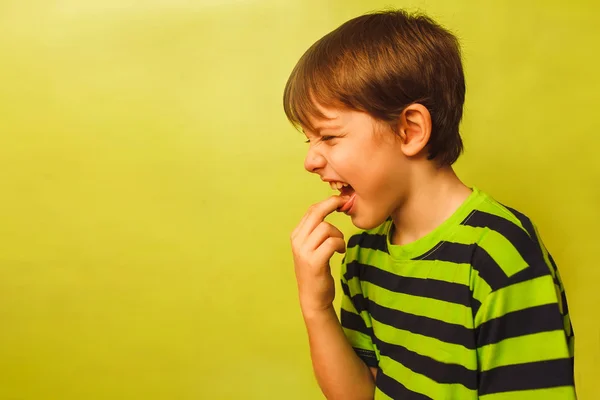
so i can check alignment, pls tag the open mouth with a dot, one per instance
(347, 191)
(344, 188)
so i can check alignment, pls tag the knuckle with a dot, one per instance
(326, 225)
(323, 225)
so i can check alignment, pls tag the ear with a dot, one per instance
(414, 129)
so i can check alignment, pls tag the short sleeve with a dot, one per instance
(522, 347)
(355, 319)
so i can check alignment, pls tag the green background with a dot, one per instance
(150, 183)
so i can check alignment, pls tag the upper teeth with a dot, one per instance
(337, 185)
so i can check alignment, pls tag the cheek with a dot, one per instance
(347, 163)
(381, 180)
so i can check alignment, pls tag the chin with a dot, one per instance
(368, 222)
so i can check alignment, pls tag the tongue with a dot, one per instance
(348, 204)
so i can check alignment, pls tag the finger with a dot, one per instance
(323, 254)
(317, 213)
(323, 231)
(300, 224)
(303, 220)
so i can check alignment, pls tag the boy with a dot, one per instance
(447, 294)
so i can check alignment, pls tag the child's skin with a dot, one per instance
(314, 242)
(402, 183)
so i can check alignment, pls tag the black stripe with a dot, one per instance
(528, 247)
(488, 269)
(555, 269)
(552, 262)
(525, 221)
(513, 232)
(396, 390)
(563, 297)
(430, 327)
(532, 320)
(433, 369)
(368, 241)
(528, 273)
(355, 322)
(346, 289)
(525, 274)
(440, 290)
(354, 269)
(457, 253)
(528, 225)
(358, 300)
(530, 376)
(460, 253)
(475, 305)
(368, 357)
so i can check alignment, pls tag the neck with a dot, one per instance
(428, 205)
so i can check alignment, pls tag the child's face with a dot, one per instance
(354, 148)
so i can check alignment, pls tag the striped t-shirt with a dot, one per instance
(474, 310)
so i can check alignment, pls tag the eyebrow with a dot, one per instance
(319, 129)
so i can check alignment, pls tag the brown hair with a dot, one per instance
(380, 63)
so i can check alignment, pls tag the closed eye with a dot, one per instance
(323, 139)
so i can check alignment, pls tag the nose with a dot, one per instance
(314, 161)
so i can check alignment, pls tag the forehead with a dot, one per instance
(331, 118)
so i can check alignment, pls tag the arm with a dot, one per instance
(341, 374)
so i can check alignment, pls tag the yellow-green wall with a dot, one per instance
(149, 182)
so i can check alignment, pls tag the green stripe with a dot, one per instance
(359, 340)
(481, 289)
(572, 346)
(524, 349)
(445, 271)
(519, 296)
(567, 324)
(427, 346)
(379, 395)
(407, 268)
(427, 386)
(503, 252)
(466, 234)
(366, 317)
(444, 311)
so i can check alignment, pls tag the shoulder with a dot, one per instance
(509, 249)
(499, 217)
(503, 226)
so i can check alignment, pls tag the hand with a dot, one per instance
(313, 243)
